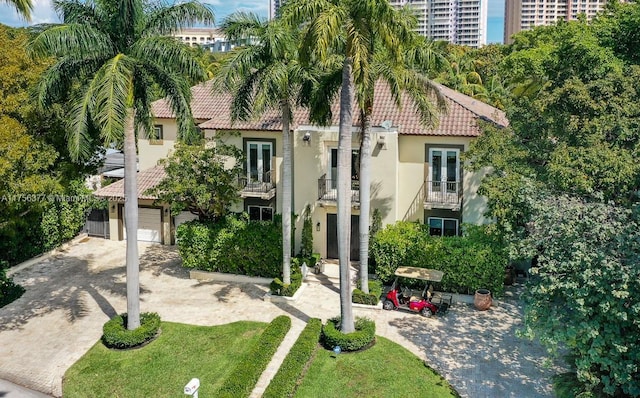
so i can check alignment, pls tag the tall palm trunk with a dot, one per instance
(131, 219)
(365, 195)
(286, 195)
(344, 195)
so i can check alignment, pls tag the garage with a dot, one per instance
(183, 217)
(149, 225)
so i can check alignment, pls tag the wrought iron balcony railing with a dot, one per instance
(443, 192)
(256, 183)
(327, 190)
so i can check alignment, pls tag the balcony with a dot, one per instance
(257, 186)
(442, 195)
(328, 194)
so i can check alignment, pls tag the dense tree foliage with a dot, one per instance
(201, 179)
(563, 187)
(584, 294)
(37, 176)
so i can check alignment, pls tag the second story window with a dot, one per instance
(158, 135)
(333, 167)
(444, 173)
(259, 156)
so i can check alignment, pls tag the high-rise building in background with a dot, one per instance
(456, 21)
(273, 7)
(527, 14)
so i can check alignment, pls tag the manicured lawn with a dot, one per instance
(162, 368)
(385, 370)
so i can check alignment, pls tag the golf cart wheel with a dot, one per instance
(387, 305)
(426, 312)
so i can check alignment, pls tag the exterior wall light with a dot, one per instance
(318, 226)
(306, 138)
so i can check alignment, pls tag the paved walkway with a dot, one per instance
(72, 293)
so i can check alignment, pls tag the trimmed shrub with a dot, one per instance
(9, 291)
(279, 288)
(375, 291)
(233, 245)
(469, 262)
(306, 243)
(116, 335)
(244, 377)
(292, 370)
(332, 336)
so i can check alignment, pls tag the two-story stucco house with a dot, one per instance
(417, 173)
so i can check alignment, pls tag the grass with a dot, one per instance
(162, 368)
(385, 370)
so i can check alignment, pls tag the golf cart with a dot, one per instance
(425, 302)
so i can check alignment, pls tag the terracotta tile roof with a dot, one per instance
(147, 179)
(460, 119)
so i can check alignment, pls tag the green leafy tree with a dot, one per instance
(584, 292)
(562, 184)
(110, 54)
(201, 179)
(262, 76)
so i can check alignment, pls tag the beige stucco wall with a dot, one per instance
(398, 173)
(238, 139)
(311, 161)
(413, 172)
(148, 153)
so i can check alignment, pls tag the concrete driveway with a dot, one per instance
(71, 294)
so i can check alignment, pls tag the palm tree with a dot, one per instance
(267, 75)
(350, 26)
(23, 7)
(111, 57)
(406, 76)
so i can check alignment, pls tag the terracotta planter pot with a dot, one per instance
(482, 299)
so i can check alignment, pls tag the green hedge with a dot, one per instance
(116, 335)
(9, 291)
(244, 377)
(332, 336)
(285, 382)
(233, 245)
(279, 288)
(375, 291)
(469, 262)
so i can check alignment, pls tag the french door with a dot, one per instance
(444, 174)
(259, 161)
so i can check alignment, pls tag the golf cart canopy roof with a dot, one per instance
(424, 274)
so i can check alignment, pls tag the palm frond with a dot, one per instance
(242, 105)
(169, 54)
(56, 82)
(143, 97)
(178, 94)
(243, 25)
(241, 63)
(74, 40)
(113, 97)
(78, 125)
(168, 20)
(23, 7)
(76, 12)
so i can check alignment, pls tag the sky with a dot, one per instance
(43, 13)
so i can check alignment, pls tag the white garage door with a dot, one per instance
(149, 225)
(184, 217)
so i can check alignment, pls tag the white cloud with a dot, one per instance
(42, 13)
